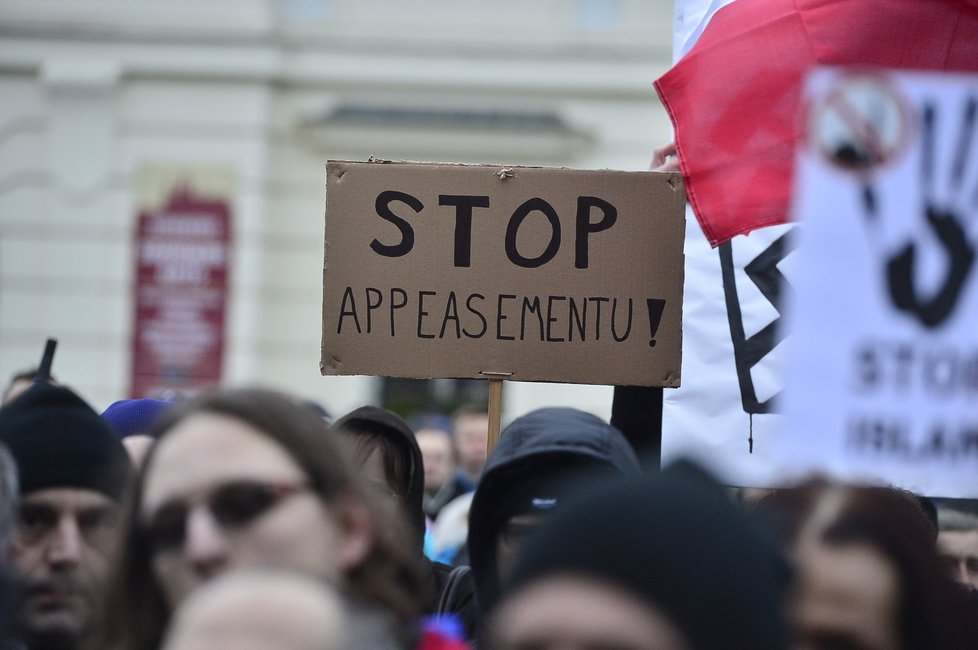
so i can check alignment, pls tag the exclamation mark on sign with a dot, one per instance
(656, 306)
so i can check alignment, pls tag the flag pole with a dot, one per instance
(44, 368)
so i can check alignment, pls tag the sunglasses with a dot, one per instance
(233, 506)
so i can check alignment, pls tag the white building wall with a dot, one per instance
(91, 91)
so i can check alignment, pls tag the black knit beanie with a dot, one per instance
(677, 542)
(59, 441)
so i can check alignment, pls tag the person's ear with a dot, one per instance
(358, 532)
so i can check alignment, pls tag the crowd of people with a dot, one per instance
(246, 519)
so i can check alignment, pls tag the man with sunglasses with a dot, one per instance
(73, 471)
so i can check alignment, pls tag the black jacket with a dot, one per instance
(547, 444)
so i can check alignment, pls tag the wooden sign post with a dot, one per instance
(495, 406)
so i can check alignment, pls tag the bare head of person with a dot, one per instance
(438, 453)
(470, 427)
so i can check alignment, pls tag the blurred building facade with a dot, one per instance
(95, 92)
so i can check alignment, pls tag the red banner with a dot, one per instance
(734, 98)
(182, 253)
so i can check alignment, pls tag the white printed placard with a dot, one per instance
(882, 367)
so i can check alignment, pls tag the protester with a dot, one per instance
(526, 478)
(441, 482)
(957, 544)
(132, 420)
(275, 610)
(391, 461)
(663, 562)
(73, 473)
(868, 573)
(470, 429)
(250, 478)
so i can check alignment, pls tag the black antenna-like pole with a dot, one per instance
(44, 369)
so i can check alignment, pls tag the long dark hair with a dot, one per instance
(136, 613)
(933, 611)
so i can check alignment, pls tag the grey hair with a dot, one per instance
(9, 491)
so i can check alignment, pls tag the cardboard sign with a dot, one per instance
(883, 364)
(543, 274)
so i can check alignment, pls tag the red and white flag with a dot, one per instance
(734, 98)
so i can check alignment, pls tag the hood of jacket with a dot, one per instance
(544, 445)
(393, 426)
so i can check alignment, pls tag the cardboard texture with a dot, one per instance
(438, 270)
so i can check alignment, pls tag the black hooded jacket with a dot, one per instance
(546, 445)
(461, 600)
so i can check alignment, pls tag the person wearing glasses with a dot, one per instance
(250, 478)
(73, 472)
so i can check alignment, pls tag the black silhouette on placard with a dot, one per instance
(947, 226)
